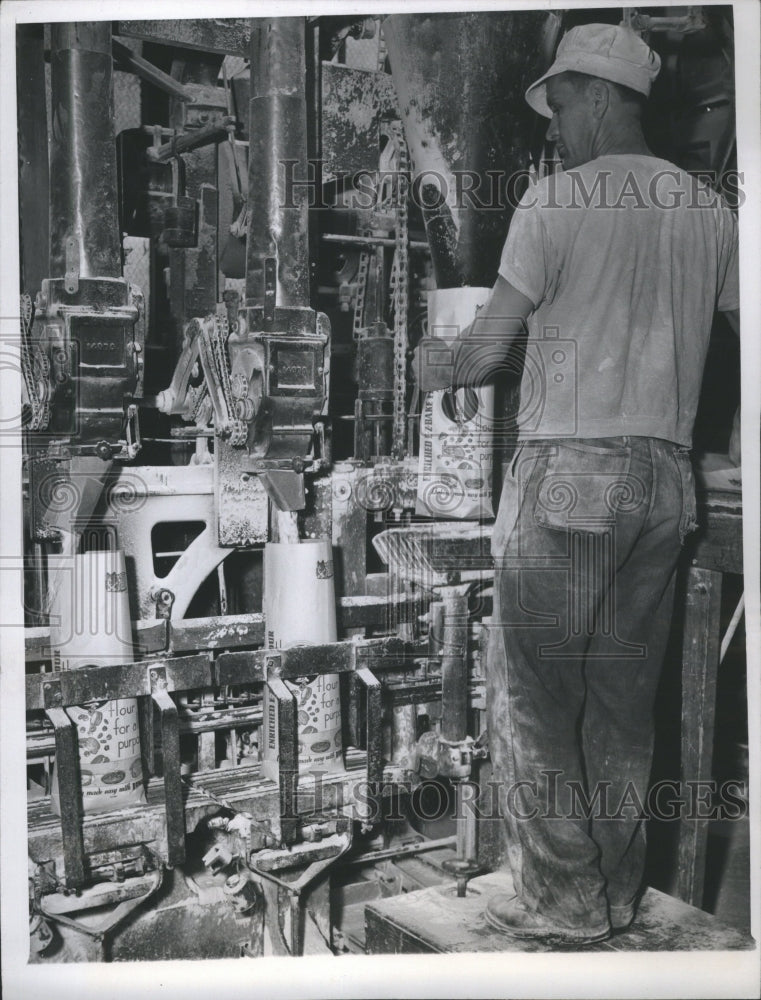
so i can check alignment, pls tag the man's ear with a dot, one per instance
(599, 94)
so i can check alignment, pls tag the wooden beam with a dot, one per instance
(700, 662)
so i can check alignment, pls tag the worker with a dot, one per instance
(613, 268)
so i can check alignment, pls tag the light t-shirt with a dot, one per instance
(625, 259)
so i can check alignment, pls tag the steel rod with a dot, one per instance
(277, 162)
(84, 227)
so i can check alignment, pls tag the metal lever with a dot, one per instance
(128, 896)
(465, 865)
(190, 140)
(373, 745)
(69, 795)
(294, 890)
(170, 750)
(288, 764)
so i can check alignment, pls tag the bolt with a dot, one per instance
(245, 477)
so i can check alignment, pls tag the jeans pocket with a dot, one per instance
(583, 486)
(511, 499)
(689, 519)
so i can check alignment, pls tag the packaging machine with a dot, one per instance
(245, 220)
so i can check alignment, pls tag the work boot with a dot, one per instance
(622, 916)
(510, 915)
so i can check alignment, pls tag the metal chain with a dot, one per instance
(382, 51)
(213, 338)
(217, 327)
(400, 288)
(198, 404)
(364, 258)
(35, 369)
(238, 427)
(359, 299)
(26, 311)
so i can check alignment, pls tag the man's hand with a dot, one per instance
(479, 349)
(433, 363)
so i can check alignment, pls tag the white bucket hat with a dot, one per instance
(606, 51)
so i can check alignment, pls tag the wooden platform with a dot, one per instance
(436, 920)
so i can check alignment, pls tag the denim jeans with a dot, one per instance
(586, 546)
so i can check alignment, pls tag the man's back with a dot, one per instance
(623, 258)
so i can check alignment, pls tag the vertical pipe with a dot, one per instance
(459, 79)
(278, 203)
(314, 128)
(84, 227)
(33, 156)
(454, 666)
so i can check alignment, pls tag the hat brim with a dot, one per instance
(536, 95)
(595, 65)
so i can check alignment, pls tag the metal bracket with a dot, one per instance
(288, 761)
(127, 895)
(294, 889)
(71, 277)
(137, 344)
(270, 291)
(273, 663)
(69, 791)
(164, 600)
(170, 749)
(51, 692)
(132, 443)
(373, 739)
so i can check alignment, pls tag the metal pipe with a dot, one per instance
(370, 241)
(84, 225)
(454, 665)
(403, 851)
(468, 128)
(33, 156)
(278, 226)
(133, 63)
(469, 823)
(195, 139)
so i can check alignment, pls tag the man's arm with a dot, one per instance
(480, 349)
(732, 317)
